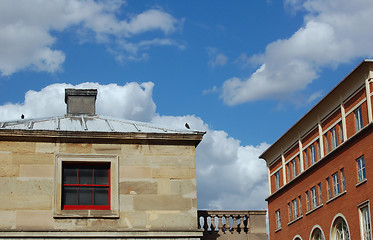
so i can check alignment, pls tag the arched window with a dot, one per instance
(297, 237)
(317, 234)
(340, 230)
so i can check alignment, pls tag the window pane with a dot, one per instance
(69, 175)
(85, 195)
(101, 176)
(85, 176)
(101, 196)
(69, 196)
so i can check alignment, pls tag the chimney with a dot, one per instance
(81, 101)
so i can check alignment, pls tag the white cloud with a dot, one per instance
(27, 41)
(229, 175)
(216, 58)
(333, 33)
(130, 101)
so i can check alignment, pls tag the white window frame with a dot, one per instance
(294, 167)
(314, 197)
(334, 137)
(295, 209)
(361, 174)
(114, 186)
(320, 192)
(336, 188)
(328, 188)
(277, 179)
(308, 200)
(313, 154)
(278, 219)
(358, 119)
(365, 221)
(343, 179)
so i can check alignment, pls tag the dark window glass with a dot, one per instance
(85, 175)
(85, 186)
(101, 196)
(85, 196)
(69, 196)
(101, 176)
(69, 175)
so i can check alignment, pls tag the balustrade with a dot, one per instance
(231, 224)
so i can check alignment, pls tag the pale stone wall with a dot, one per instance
(157, 187)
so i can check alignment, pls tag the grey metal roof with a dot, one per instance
(90, 123)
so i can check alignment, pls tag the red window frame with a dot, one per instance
(93, 186)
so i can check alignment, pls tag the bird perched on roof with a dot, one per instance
(187, 125)
(22, 116)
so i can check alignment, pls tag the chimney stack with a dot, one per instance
(81, 101)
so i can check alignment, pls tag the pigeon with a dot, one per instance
(187, 125)
(22, 116)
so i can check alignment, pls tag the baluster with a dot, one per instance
(220, 225)
(242, 223)
(216, 223)
(201, 222)
(212, 222)
(226, 223)
(208, 220)
(234, 221)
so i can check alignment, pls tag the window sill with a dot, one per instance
(278, 229)
(335, 197)
(295, 220)
(86, 214)
(314, 209)
(361, 182)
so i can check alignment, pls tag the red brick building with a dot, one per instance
(320, 170)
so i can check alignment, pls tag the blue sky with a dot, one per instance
(244, 71)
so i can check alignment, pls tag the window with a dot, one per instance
(336, 184)
(308, 200)
(288, 172)
(365, 225)
(320, 193)
(340, 230)
(294, 168)
(289, 211)
(361, 168)
(328, 187)
(317, 234)
(326, 142)
(313, 154)
(314, 198)
(85, 186)
(277, 177)
(295, 209)
(300, 205)
(343, 179)
(278, 219)
(334, 137)
(358, 119)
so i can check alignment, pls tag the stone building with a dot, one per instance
(82, 175)
(320, 170)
